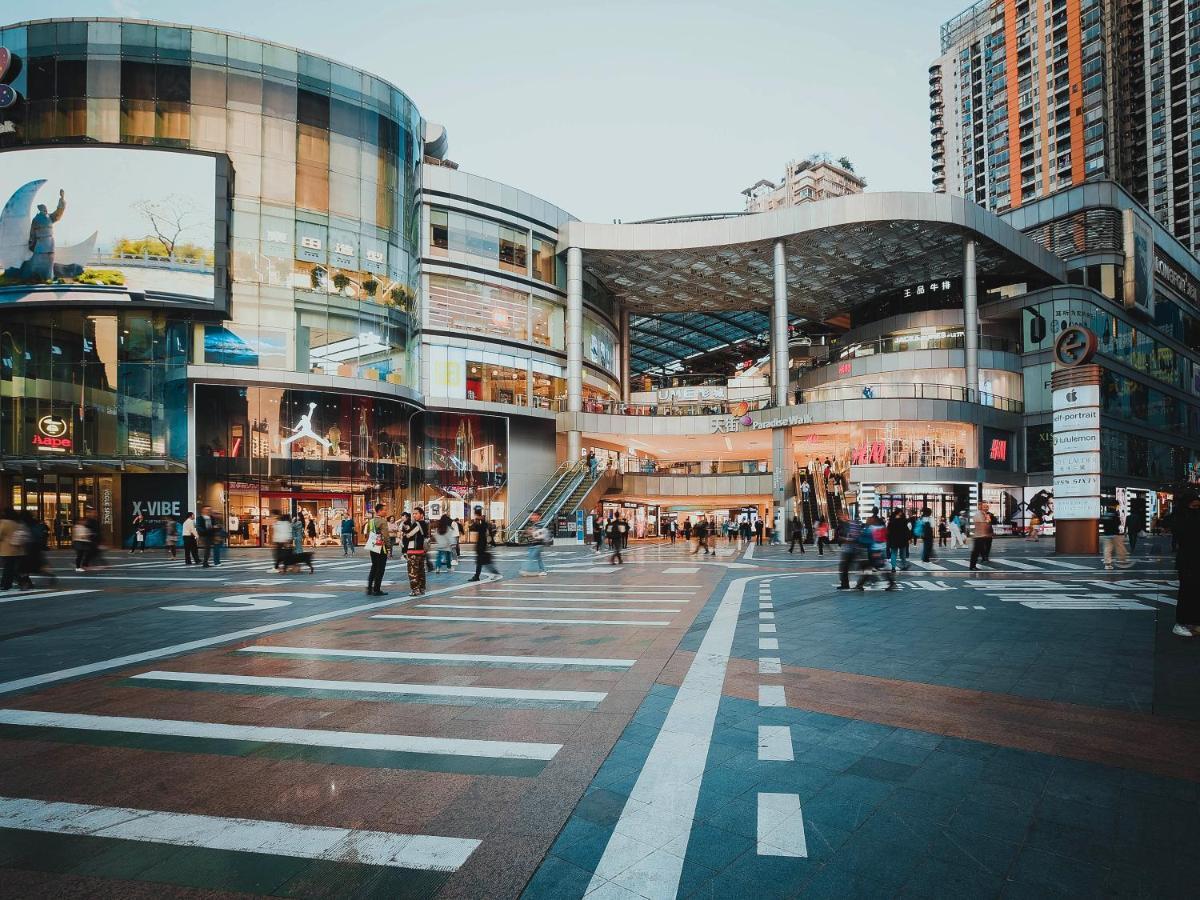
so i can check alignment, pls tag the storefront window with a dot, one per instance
(266, 450)
(495, 382)
(458, 305)
(548, 319)
(549, 384)
(470, 239)
(600, 344)
(898, 444)
(544, 260)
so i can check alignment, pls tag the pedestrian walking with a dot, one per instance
(483, 555)
(956, 532)
(758, 532)
(538, 536)
(822, 536)
(744, 531)
(204, 534)
(139, 535)
(1135, 524)
(281, 539)
(298, 532)
(171, 528)
(897, 540)
(13, 537)
(672, 531)
(34, 561)
(190, 540)
(591, 464)
(851, 550)
(217, 536)
(415, 538)
(347, 532)
(598, 532)
(442, 543)
(1185, 528)
(923, 528)
(375, 532)
(943, 532)
(1112, 542)
(874, 540)
(687, 528)
(698, 537)
(1035, 528)
(312, 530)
(797, 534)
(981, 535)
(620, 530)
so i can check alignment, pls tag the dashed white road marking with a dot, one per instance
(781, 826)
(775, 743)
(662, 805)
(766, 628)
(769, 665)
(771, 695)
(575, 609)
(768, 643)
(1015, 565)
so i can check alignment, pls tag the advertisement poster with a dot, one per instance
(155, 497)
(465, 457)
(107, 220)
(1139, 263)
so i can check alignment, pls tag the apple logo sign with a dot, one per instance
(1072, 396)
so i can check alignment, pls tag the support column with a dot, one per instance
(783, 468)
(574, 346)
(625, 366)
(970, 321)
(779, 330)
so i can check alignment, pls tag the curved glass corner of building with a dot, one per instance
(200, 208)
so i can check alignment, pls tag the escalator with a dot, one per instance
(554, 496)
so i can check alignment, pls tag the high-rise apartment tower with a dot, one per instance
(1029, 97)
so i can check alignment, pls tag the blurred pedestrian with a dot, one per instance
(1111, 540)
(1185, 527)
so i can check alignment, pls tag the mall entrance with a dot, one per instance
(941, 502)
(58, 501)
(250, 512)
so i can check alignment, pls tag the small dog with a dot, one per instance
(293, 561)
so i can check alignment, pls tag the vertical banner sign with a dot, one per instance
(1076, 405)
(580, 534)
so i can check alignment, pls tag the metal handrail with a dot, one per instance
(517, 521)
(699, 408)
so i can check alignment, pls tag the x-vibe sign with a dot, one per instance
(10, 66)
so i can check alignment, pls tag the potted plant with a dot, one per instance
(400, 296)
(341, 281)
(370, 286)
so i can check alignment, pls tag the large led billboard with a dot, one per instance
(97, 224)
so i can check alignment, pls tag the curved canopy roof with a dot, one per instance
(840, 254)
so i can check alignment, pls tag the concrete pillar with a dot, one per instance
(970, 321)
(779, 330)
(625, 366)
(574, 446)
(574, 329)
(782, 483)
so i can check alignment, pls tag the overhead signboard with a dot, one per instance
(1139, 263)
(1077, 485)
(1077, 441)
(1076, 508)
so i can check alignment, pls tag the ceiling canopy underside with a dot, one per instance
(840, 254)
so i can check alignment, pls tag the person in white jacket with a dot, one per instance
(190, 533)
(444, 539)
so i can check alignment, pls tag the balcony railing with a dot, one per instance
(916, 342)
(699, 408)
(909, 392)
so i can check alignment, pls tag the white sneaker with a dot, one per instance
(542, 574)
(79, 570)
(1109, 567)
(1182, 631)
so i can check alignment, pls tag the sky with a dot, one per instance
(623, 109)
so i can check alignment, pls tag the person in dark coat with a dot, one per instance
(897, 539)
(1185, 527)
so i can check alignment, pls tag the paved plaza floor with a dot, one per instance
(677, 726)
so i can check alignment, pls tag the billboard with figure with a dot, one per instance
(87, 223)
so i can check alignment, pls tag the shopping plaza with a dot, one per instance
(263, 286)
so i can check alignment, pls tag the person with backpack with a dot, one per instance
(538, 536)
(923, 528)
(376, 534)
(874, 541)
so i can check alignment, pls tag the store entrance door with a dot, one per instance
(322, 513)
